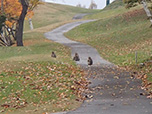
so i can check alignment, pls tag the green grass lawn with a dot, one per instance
(38, 84)
(37, 48)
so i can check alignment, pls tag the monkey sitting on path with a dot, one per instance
(90, 61)
(53, 54)
(76, 57)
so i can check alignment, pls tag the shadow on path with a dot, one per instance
(113, 89)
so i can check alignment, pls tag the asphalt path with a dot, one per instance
(80, 16)
(112, 90)
(83, 50)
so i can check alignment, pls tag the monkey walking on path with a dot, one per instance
(53, 54)
(90, 61)
(76, 57)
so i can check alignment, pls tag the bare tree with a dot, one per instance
(93, 5)
(78, 5)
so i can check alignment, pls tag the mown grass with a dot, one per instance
(37, 84)
(112, 10)
(36, 58)
(37, 48)
(119, 37)
(54, 14)
(27, 73)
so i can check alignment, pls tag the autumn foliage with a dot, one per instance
(11, 10)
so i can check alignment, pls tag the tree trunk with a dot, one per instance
(144, 3)
(19, 35)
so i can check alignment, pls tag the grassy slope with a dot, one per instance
(117, 35)
(22, 66)
(47, 17)
(117, 38)
(113, 9)
(54, 15)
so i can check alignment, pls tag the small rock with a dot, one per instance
(111, 104)
(141, 65)
(89, 96)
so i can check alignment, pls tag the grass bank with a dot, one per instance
(118, 37)
(47, 16)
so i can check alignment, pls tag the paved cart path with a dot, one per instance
(114, 91)
(83, 50)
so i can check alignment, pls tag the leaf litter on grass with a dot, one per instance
(41, 83)
(144, 73)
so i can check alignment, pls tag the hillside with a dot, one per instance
(49, 14)
(118, 35)
(115, 8)
(115, 4)
(124, 33)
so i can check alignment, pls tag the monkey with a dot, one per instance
(53, 54)
(90, 61)
(76, 57)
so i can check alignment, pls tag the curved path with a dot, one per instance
(114, 91)
(80, 16)
(83, 50)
